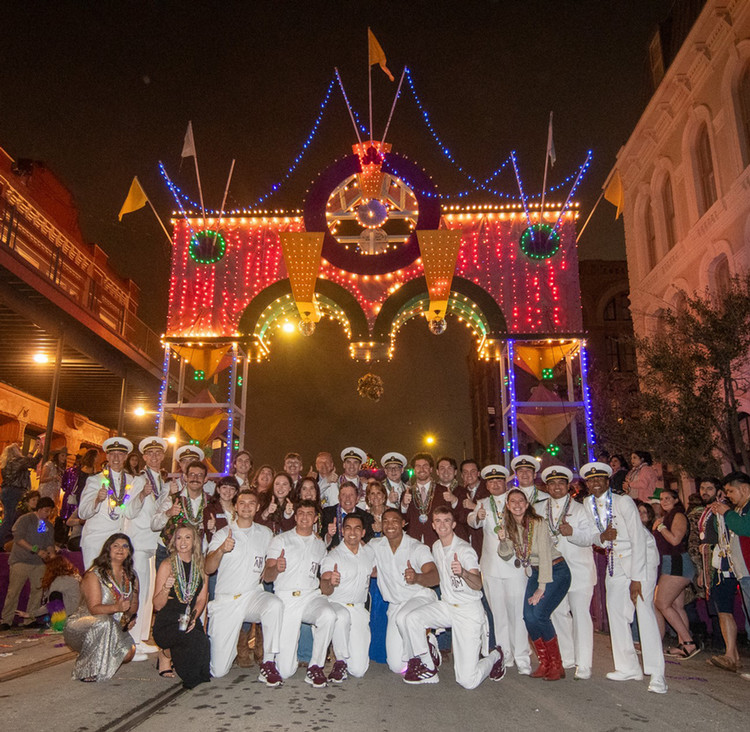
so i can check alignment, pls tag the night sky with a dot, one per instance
(101, 91)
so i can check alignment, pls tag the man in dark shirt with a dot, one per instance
(33, 542)
(332, 521)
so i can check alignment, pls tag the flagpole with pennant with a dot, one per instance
(550, 157)
(136, 200)
(188, 150)
(375, 55)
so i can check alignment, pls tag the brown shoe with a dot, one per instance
(723, 662)
(244, 657)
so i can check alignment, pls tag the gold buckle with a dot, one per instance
(350, 604)
(296, 593)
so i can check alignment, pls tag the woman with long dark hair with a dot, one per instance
(263, 479)
(180, 595)
(98, 630)
(526, 540)
(677, 572)
(220, 507)
(277, 508)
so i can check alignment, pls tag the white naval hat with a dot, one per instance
(189, 451)
(152, 443)
(117, 444)
(353, 452)
(556, 471)
(595, 470)
(495, 471)
(393, 458)
(525, 461)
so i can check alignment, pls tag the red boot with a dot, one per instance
(555, 670)
(542, 655)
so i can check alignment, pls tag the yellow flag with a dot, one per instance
(614, 193)
(136, 199)
(377, 54)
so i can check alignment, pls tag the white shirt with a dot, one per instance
(391, 567)
(491, 564)
(453, 589)
(105, 518)
(240, 570)
(397, 488)
(329, 490)
(303, 556)
(139, 529)
(355, 569)
(576, 548)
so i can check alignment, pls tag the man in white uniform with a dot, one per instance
(292, 564)
(394, 464)
(629, 581)
(238, 553)
(406, 572)
(185, 455)
(459, 608)
(345, 578)
(107, 500)
(573, 535)
(153, 488)
(504, 583)
(351, 460)
(525, 468)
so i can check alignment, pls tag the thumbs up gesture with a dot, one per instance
(281, 562)
(565, 528)
(456, 567)
(481, 513)
(410, 574)
(407, 498)
(609, 534)
(228, 544)
(335, 576)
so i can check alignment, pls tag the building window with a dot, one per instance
(722, 277)
(620, 355)
(618, 308)
(743, 98)
(706, 180)
(650, 229)
(670, 224)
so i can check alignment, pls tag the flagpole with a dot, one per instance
(546, 165)
(369, 79)
(200, 189)
(161, 223)
(224, 200)
(393, 107)
(583, 228)
(348, 106)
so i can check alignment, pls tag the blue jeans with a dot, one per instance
(537, 617)
(10, 496)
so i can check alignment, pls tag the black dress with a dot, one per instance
(191, 652)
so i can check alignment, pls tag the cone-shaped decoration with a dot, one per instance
(439, 254)
(536, 359)
(302, 252)
(371, 159)
(208, 360)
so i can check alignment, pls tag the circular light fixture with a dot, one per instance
(40, 358)
(207, 247)
(372, 213)
(139, 412)
(288, 327)
(171, 439)
(539, 241)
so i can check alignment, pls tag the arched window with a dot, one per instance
(722, 277)
(618, 308)
(743, 101)
(667, 201)
(650, 232)
(704, 169)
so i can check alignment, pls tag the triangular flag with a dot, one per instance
(188, 147)
(377, 54)
(136, 199)
(551, 143)
(614, 193)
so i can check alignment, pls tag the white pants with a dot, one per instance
(143, 562)
(470, 637)
(575, 628)
(620, 613)
(91, 545)
(505, 597)
(228, 612)
(351, 637)
(309, 607)
(397, 646)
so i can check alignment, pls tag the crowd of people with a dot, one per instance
(397, 563)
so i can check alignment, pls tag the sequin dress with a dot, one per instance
(100, 641)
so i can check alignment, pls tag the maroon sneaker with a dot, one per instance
(338, 672)
(316, 677)
(270, 675)
(497, 673)
(420, 674)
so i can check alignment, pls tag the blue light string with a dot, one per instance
(164, 387)
(590, 437)
(524, 200)
(573, 188)
(512, 397)
(230, 412)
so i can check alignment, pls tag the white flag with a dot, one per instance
(550, 144)
(188, 147)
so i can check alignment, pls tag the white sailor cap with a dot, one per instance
(495, 471)
(595, 470)
(353, 452)
(393, 458)
(557, 471)
(117, 444)
(189, 452)
(152, 443)
(525, 461)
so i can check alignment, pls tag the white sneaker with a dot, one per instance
(146, 648)
(658, 685)
(139, 657)
(582, 674)
(622, 676)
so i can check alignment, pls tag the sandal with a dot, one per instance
(681, 651)
(89, 679)
(723, 662)
(167, 673)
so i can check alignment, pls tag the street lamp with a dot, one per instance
(172, 439)
(40, 358)
(429, 439)
(139, 412)
(288, 327)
